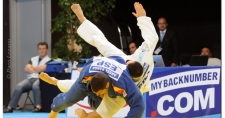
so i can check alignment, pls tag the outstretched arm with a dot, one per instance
(135, 100)
(146, 26)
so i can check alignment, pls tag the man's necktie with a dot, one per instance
(161, 36)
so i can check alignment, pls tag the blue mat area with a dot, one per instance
(30, 114)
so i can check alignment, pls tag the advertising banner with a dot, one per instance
(184, 92)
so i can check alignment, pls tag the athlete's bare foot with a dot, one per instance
(45, 77)
(78, 11)
(52, 114)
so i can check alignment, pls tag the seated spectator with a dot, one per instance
(132, 47)
(36, 65)
(211, 61)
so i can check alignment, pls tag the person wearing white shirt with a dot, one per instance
(36, 65)
(211, 61)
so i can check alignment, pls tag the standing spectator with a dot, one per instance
(167, 46)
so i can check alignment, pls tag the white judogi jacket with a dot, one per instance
(144, 54)
(35, 62)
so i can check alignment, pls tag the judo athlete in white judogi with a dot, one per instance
(144, 54)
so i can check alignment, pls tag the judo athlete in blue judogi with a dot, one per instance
(101, 75)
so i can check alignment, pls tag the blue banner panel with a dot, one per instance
(184, 92)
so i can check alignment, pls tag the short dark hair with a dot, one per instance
(43, 43)
(210, 49)
(98, 82)
(135, 69)
(132, 42)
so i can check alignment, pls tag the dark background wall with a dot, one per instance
(197, 22)
(6, 53)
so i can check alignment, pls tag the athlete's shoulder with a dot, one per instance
(118, 59)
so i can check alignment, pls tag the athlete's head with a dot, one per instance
(134, 68)
(99, 84)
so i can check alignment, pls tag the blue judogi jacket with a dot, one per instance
(120, 81)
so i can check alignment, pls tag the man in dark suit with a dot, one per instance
(167, 46)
